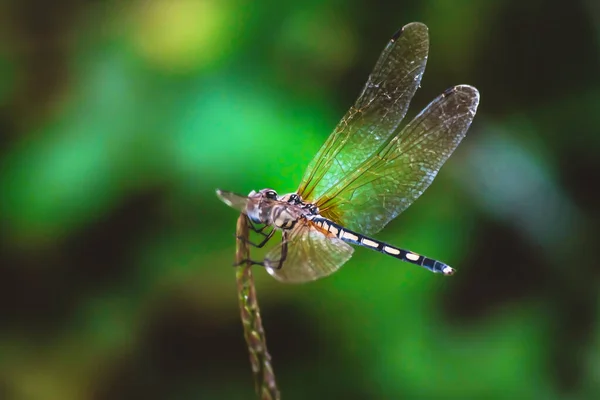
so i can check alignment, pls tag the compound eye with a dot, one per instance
(271, 194)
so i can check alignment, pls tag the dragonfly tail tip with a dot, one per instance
(448, 271)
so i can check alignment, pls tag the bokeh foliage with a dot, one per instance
(119, 119)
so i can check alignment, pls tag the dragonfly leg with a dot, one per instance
(252, 226)
(248, 261)
(261, 244)
(266, 263)
(284, 250)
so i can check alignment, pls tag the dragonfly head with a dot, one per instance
(258, 209)
(267, 193)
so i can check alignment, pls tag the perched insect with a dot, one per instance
(368, 171)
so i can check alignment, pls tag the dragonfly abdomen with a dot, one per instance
(355, 238)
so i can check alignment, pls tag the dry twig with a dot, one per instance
(260, 359)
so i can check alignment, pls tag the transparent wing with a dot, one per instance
(394, 177)
(308, 253)
(376, 114)
(234, 200)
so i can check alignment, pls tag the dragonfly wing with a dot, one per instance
(395, 176)
(376, 114)
(308, 253)
(233, 200)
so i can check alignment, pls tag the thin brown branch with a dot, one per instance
(260, 359)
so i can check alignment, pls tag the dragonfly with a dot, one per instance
(368, 171)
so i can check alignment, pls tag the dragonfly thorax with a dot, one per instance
(294, 198)
(284, 217)
(266, 207)
(282, 212)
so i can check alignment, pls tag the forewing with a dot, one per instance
(311, 254)
(376, 114)
(233, 200)
(386, 184)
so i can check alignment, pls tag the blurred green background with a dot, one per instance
(119, 120)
